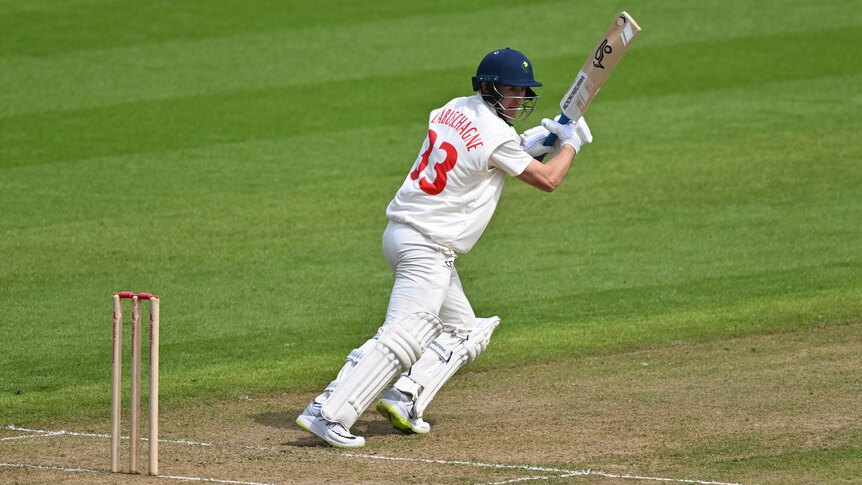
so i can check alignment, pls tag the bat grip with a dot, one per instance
(551, 138)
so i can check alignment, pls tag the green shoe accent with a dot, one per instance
(303, 425)
(398, 421)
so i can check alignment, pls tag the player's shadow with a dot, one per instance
(370, 424)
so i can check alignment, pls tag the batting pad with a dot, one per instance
(442, 359)
(399, 345)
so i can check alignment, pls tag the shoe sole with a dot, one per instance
(398, 421)
(302, 424)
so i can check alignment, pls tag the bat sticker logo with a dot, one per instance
(603, 49)
(574, 90)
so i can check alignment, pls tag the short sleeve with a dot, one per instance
(510, 157)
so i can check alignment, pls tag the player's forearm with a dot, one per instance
(558, 166)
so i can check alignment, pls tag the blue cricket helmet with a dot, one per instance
(506, 67)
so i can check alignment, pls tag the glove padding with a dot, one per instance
(532, 140)
(574, 133)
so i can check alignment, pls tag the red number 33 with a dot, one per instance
(440, 168)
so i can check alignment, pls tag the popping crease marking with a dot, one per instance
(528, 479)
(564, 473)
(43, 433)
(92, 470)
(26, 436)
(47, 467)
(583, 473)
(561, 473)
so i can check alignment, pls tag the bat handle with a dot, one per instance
(551, 138)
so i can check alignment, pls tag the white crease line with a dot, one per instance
(90, 470)
(563, 473)
(554, 477)
(658, 479)
(199, 479)
(458, 462)
(42, 432)
(610, 475)
(523, 479)
(46, 467)
(26, 436)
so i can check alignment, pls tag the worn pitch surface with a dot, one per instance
(738, 410)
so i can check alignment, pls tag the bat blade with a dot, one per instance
(596, 69)
(599, 65)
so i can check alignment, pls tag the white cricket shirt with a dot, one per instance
(455, 183)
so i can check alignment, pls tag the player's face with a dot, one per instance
(513, 98)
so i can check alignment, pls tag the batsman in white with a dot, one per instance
(441, 209)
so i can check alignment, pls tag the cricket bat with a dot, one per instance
(596, 70)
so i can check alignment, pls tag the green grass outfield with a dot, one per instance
(237, 159)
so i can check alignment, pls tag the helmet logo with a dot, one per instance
(526, 67)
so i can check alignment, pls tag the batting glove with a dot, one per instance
(573, 133)
(532, 140)
(583, 131)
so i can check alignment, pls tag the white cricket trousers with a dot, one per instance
(425, 279)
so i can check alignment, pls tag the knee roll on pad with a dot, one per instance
(398, 346)
(443, 358)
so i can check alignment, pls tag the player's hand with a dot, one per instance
(574, 133)
(532, 140)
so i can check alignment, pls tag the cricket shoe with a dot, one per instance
(398, 407)
(333, 433)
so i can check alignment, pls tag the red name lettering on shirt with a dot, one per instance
(461, 124)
